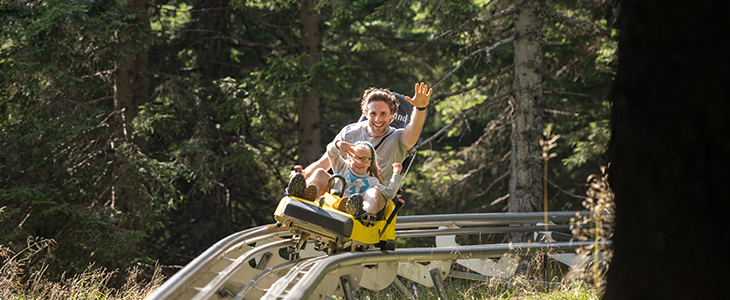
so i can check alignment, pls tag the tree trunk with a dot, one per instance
(670, 150)
(131, 89)
(526, 167)
(308, 104)
(212, 21)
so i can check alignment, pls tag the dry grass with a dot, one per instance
(91, 284)
(596, 257)
(17, 283)
(584, 283)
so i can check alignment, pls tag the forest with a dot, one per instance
(140, 132)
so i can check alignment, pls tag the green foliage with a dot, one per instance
(210, 146)
(579, 54)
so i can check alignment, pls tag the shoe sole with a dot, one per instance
(354, 205)
(310, 193)
(297, 186)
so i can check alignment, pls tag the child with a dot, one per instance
(365, 186)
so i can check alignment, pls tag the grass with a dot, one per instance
(91, 284)
(17, 283)
(516, 288)
(584, 283)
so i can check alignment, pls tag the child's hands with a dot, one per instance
(347, 148)
(397, 167)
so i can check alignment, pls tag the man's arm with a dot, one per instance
(413, 130)
(322, 163)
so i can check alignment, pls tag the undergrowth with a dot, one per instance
(547, 279)
(18, 283)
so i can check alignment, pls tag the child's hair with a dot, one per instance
(374, 169)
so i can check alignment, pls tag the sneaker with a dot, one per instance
(340, 205)
(297, 186)
(310, 193)
(354, 205)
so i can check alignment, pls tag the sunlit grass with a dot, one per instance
(91, 284)
(472, 290)
(547, 280)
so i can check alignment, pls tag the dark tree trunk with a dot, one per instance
(308, 104)
(213, 29)
(670, 151)
(131, 89)
(526, 166)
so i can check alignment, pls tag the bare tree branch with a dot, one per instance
(502, 13)
(465, 114)
(438, 98)
(503, 176)
(566, 192)
(488, 50)
(572, 22)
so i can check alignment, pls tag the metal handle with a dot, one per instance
(329, 185)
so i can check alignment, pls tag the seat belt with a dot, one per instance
(382, 140)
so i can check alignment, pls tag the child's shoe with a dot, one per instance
(354, 205)
(310, 193)
(297, 186)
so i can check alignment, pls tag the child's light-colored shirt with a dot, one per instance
(359, 183)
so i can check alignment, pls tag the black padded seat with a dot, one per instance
(311, 214)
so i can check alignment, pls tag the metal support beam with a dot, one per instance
(402, 289)
(183, 278)
(474, 230)
(264, 261)
(307, 284)
(346, 288)
(438, 283)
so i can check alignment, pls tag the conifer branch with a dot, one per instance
(465, 114)
(488, 50)
(438, 98)
(500, 14)
(572, 22)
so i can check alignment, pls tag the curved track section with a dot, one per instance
(307, 285)
(196, 275)
(250, 265)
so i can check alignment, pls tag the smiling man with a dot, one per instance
(391, 144)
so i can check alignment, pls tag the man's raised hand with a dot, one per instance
(422, 96)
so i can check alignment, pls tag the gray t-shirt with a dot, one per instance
(390, 151)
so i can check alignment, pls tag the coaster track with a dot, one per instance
(248, 264)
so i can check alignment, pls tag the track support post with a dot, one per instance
(438, 283)
(346, 288)
(402, 289)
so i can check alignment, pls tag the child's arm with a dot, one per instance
(335, 159)
(395, 182)
(397, 167)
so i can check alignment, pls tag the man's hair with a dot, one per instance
(374, 94)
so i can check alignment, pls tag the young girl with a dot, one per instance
(365, 186)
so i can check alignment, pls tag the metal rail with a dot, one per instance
(481, 219)
(223, 276)
(204, 261)
(307, 284)
(476, 230)
(184, 278)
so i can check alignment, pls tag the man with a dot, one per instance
(392, 145)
